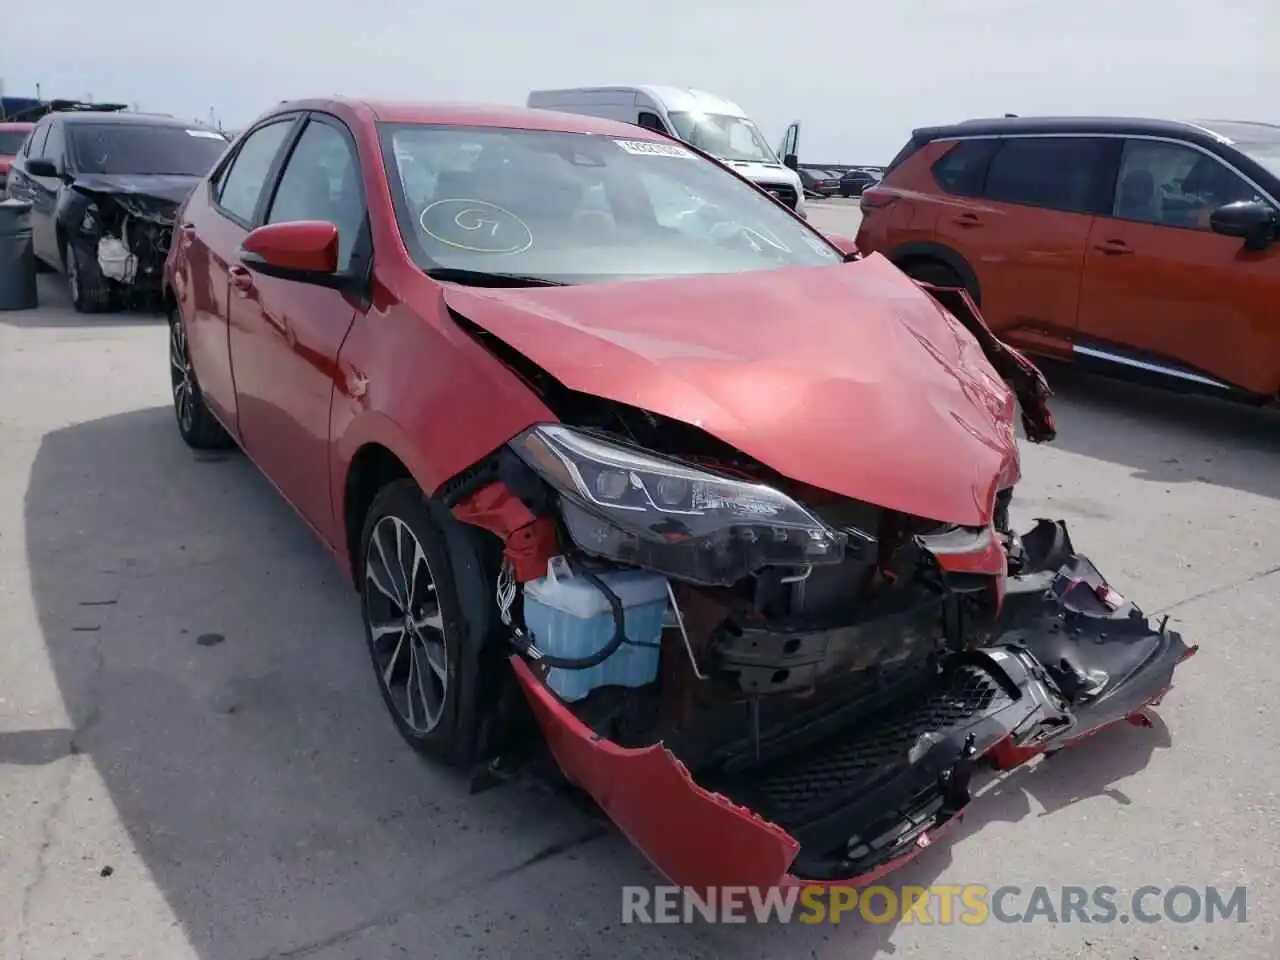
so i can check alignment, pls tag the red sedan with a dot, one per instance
(609, 440)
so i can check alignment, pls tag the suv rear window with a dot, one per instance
(1061, 173)
(962, 170)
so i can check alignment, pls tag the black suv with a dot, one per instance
(105, 186)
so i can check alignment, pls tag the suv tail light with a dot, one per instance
(873, 198)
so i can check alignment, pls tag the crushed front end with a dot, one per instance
(127, 236)
(762, 682)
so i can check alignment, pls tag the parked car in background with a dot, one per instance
(857, 179)
(819, 183)
(104, 186)
(1143, 248)
(571, 403)
(12, 137)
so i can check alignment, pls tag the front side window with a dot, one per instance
(723, 136)
(321, 182)
(1174, 185)
(579, 208)
(35, 146)
(1060, 173)
(141, 149)
(242, 184)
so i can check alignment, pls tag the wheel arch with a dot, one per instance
(474, 559)
(906, 255)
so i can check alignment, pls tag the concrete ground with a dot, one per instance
(194, 762)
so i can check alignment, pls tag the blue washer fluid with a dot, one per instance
(568, 616)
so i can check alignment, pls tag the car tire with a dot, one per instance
(198, 427)
(90, 291)
(415, 643)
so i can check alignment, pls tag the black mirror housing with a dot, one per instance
(1252, 221)
(41, 167)
(791, 161)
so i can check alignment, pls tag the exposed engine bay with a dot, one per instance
(128, 235)
(827, 669)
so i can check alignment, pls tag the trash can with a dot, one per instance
(17, 257)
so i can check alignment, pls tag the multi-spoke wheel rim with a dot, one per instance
(407, 630)
(180, 375)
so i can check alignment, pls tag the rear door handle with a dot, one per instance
(967, 220)
(241, 279)
(1113, 247)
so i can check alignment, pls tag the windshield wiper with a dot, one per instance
(482, 278)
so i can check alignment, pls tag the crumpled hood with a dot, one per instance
(171, 188)
(849, 378)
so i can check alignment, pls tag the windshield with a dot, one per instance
(1264, 154)
(723, 136)
(579, 208)
(11, 142)
(117, 148)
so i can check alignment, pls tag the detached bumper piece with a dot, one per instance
(855, 789)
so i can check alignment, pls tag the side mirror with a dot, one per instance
(843, 244)
(41, 167)
(302, 250)
(1252, 221)
(791, 161)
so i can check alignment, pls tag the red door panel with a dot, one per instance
(285, 338)
(286, 334)
(205, 241)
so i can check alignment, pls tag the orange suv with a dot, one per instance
(1144, 248)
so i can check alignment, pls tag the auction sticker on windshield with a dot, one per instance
(646, 148)
(206, 134)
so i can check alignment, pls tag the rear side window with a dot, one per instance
(1061, 173)
(962, 170)
(243, 182)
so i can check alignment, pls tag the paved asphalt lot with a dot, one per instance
(162, 796)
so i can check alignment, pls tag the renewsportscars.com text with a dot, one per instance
(942, 904)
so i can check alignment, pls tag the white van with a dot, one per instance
(708, 122)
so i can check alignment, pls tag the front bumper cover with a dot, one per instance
(1066, 658)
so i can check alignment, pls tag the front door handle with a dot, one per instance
(241, 279)
(967, 220)
(1113, 247)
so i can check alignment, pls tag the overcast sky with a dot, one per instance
(858, 81)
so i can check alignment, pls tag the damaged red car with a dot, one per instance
(629, 463)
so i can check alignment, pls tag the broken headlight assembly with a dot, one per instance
(635, 507)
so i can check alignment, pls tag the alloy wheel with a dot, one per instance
(181, 376)
(405, 624)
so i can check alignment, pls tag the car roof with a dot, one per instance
(474, 115)
(1221, 130)
(127, 118)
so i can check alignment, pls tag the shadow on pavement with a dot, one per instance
(1166, 437)
(55, 310)
(260, 780)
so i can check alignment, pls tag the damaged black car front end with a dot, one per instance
(119, 235)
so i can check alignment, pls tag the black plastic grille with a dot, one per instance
(798, 786)
(784, 192)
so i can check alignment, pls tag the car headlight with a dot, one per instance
(641, 508)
